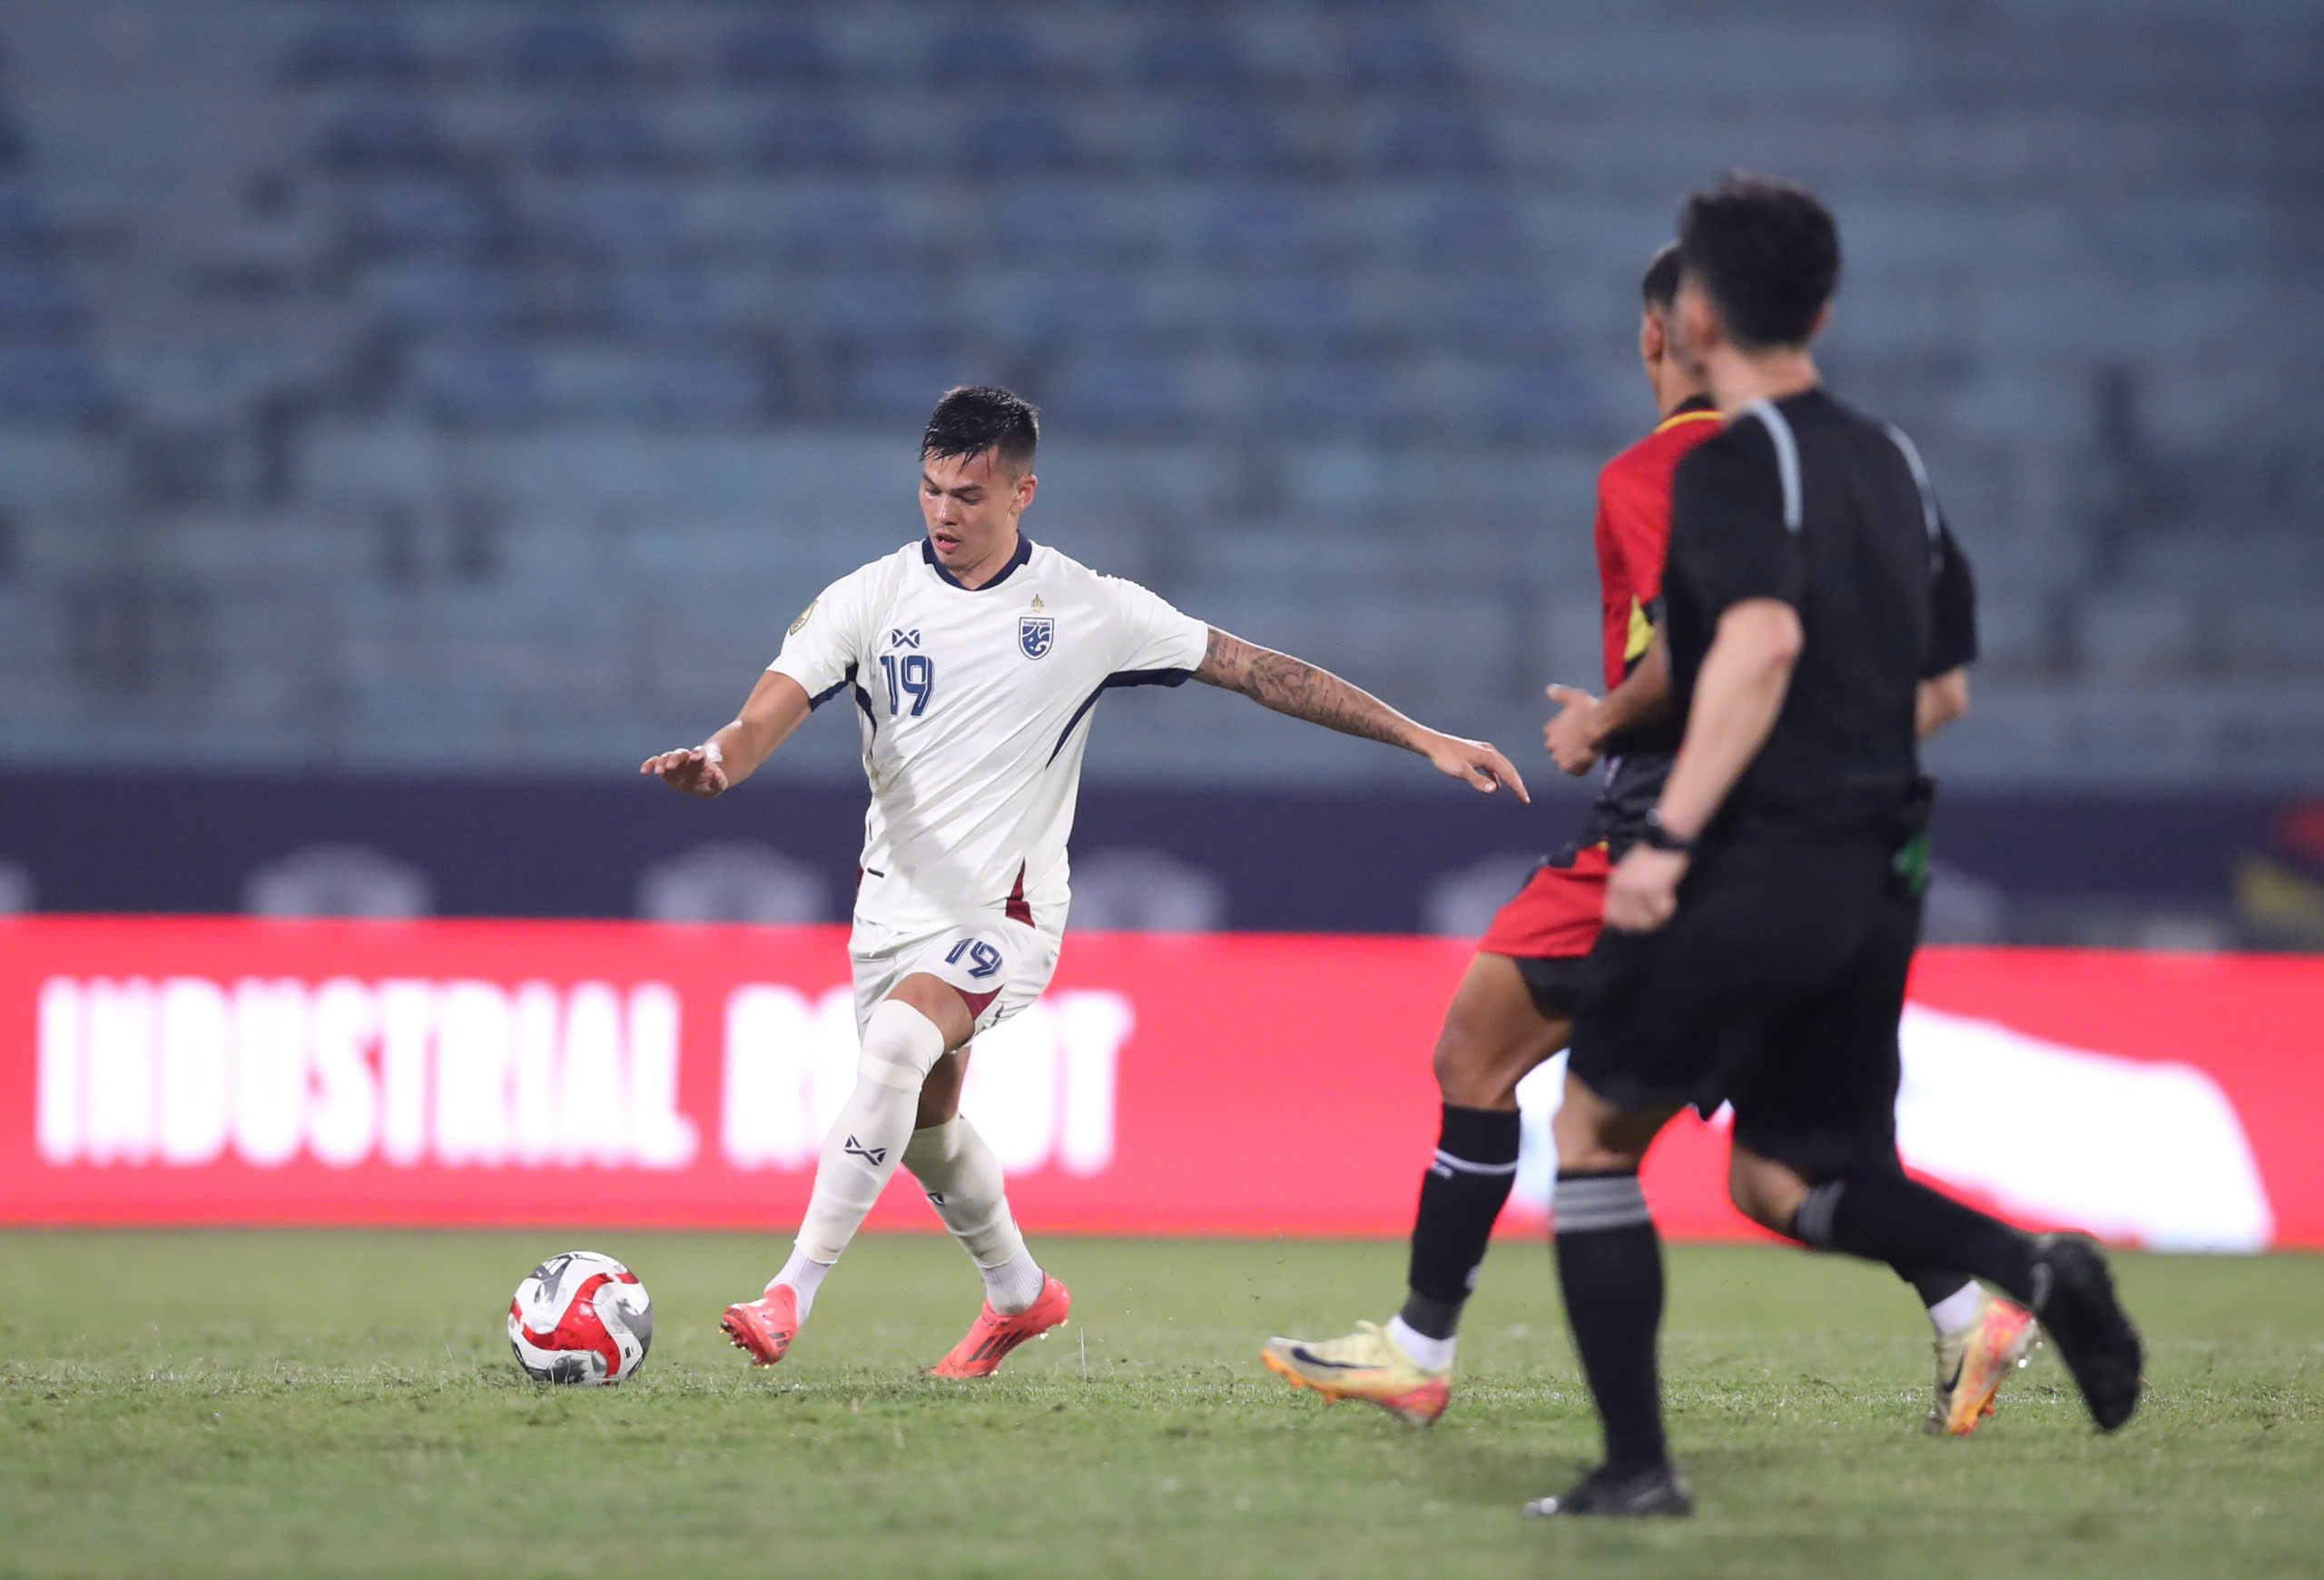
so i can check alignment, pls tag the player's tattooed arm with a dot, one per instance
(1297, 687)
(1294, 687)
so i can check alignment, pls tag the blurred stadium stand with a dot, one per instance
(484, 385)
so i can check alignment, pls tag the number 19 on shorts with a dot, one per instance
(985, 960)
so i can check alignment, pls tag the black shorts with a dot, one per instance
(1778, 985)
(1555, 984)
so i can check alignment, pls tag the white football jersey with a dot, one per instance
(974, 710)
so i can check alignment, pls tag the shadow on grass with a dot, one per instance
(1499, 1475)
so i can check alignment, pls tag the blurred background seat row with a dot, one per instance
(387, 406)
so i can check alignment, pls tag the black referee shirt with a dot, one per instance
(1807, 502)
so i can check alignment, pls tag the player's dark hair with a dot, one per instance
(977, 418)
(1767, 253)
(1660, 287)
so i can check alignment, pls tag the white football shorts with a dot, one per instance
(999, 964)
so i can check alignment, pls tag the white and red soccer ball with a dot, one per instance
(580, 1317)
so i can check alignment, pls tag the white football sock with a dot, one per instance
(1434, 1354)
(1015, 1284)
(1956, 1311)
(963, 1182)
(867, 1141)
(804, 1275)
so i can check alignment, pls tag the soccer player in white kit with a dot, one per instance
(972, 659)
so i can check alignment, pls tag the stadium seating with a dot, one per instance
(1350, 280)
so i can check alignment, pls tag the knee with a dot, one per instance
(1588, 1141)
(1454, 1064)
(1472, 1070)
(1596, 1136)
(901, 1045)
(1590, 1151)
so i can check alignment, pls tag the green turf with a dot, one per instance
(345, 1403)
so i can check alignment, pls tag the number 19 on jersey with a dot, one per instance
(912, 675)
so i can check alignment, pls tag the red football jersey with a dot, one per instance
(1634, 529)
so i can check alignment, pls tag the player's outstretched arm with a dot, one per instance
(1584, 724)
(1297, 687)
(777, 705)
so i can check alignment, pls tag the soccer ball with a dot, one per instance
(580, 1317)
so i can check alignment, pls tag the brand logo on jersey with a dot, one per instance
(1035, 633)
(804, 615)
(903, 638)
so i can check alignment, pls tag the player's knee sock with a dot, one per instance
(1463, 1192)
(962, 1179)
(1885, 1217)
(1951, 1299)
(866, 1142)
(1609, 1271)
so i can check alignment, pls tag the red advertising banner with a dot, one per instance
(230, 1071)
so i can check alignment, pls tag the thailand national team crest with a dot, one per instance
(1035, 633)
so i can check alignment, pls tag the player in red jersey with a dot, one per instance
(1514, 1009)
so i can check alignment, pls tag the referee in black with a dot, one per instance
(1761, 931)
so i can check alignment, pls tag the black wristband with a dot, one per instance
(1654, 837)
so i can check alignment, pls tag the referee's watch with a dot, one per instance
(1654, 837)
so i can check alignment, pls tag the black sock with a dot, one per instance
(1464, 1189)
(1933, 1284)
(1887, 1217)
(1610, 1269)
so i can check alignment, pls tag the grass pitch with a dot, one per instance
(333, 1403)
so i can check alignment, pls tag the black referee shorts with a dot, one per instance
(1777, 985)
